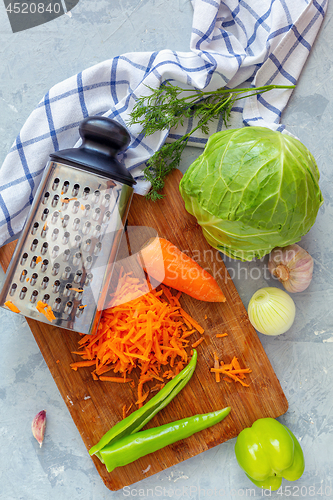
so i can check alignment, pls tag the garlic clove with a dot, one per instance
(38, 426)
(292, 266)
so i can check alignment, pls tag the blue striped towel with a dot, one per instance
(232, 42)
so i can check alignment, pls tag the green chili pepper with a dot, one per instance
(130, 448)
(136, 420)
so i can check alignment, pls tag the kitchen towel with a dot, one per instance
(232, 42)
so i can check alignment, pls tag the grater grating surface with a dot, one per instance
(66, 251)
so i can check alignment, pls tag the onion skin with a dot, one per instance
(271, 311)
(293, 266)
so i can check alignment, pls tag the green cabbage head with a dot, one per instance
(252, 189)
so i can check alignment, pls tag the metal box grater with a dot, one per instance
(63, 261)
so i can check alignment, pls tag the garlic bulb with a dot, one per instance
(271, 311)
(293, 266)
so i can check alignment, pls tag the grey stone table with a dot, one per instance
(31, 62)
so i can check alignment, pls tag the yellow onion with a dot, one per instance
(271, 311)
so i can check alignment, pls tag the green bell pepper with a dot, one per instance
(267, 452)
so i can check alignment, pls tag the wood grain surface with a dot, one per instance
(95, 406)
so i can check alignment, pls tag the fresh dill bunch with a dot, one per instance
(168, 107)
(161, 164)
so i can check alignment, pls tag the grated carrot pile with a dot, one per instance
(232, 371)
(148, 330)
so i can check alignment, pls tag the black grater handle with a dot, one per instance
(102, 139)
(104, 135)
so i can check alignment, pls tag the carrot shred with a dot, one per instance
(120, 380)
(216, 365)
(80, 364)
(45, 309)
(142, 398)
(198, 342)
(141, 330)
(128, 409)
(220, 335)
(222, 370)
(235, 363)
(12, 306)
(39, 259)
(192, 321)
(67, 200)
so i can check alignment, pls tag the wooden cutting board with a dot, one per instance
(95, 406)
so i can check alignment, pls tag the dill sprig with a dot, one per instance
(168, 107)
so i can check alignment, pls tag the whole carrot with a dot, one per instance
(165, 263)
